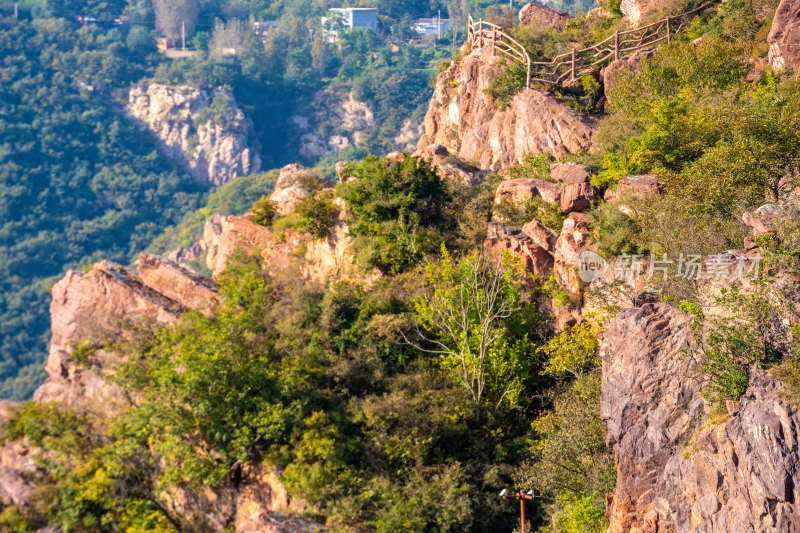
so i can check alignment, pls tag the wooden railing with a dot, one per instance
(565, 68)
(483, 33)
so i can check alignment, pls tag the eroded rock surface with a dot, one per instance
(536, 259)
(741, 475)
(212, 145)
(784, 36)
(463, 118)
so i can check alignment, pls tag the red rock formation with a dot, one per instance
(569, 173)
(501, 237)
(524, 189)
(535, 14)
(94, 307)
(574, 239)
(784, 36)
(577, 197)
(763, 219)
(541, 235)
(178, 283)
(463, 118)
(742, 475)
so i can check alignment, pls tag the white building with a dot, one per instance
(349, 17)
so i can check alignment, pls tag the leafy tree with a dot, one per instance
(463, 317)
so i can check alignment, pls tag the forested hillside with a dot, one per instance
(77, 181)
(80, 181)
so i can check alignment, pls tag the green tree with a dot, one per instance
(464, 315)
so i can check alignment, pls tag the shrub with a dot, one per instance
(504, 86)
(397, 211)
(263, 212)
(536, 166)
(316, 214)
(518, 214)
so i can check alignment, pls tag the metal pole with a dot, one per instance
(521, 511)
(16, 11)
(183, 35)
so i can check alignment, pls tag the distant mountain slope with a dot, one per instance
(77, 181)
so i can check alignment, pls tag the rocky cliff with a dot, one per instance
(463, 118)
(679, 469)
(205, 133)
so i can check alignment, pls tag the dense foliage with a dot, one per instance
(78, 182)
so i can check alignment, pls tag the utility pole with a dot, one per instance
(16, 11)
(183, 35)
(521, 496)
(439, 25)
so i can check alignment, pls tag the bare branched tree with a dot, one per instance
(172, 14)
(462, 318)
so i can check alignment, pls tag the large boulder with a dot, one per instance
(578, 197)
(570, 173)
(784, 36)
(235, 233)
(541, 235)
(540, 16)
(635, 11)
(524, 189)
(464, 118)
(640, 185)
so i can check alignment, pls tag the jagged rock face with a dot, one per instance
(234, 233)
(650, 402)
(742, 475)
(575, 238)
(350, 119)
(523, 189)
(447, 165)
(215, 151)
(178, 283)
(535, 259)
(535, 14)
(295, 182)
(463, 118)
(784, 36)
(410, 134)
(95, 307)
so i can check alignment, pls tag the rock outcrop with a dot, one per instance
(524, 189)
(575, 238)
(635, 11)
(763, 219)
(92, 309)
(464, 119)
(677, 470)
(534, 258)
(206, 134)
(784, 36)
(541, 16)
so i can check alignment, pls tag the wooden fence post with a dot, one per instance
(616, 45)
(669, 33)
(480, 33)
(573, 64)
(494, 39)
